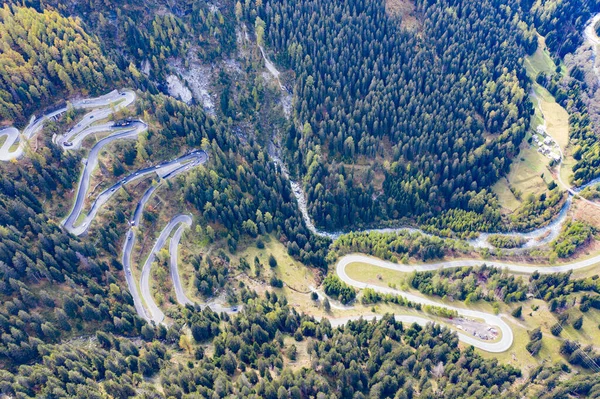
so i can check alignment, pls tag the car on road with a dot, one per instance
(158, 166)
(91, 116)
(83, 224)
(67, 144)
(137, 173)
(234, 309)
(113, 190)
(133, 222)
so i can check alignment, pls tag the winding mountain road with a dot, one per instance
(165, 170)
(111, 102)
(12, 136)
(502, 345)
(195, 159)
(84, 180)
(156, 314)
(507, 335)
(102, 108)
(533, 238)
(182, 299)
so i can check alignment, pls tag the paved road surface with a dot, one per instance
(502, 345)
(513, 267)
(112, 101)
(155, 313)
(117, 101)
(507, 335)
(165, 170)
(12, 136)
(84, 181)
(195, 158)
(126, 261)
(182, 299)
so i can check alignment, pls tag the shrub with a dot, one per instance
(517, 312)
(276, 282)
(578, 323)
(272, 261)
(556, 329)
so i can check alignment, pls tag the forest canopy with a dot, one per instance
(446, 108)
(44, 56)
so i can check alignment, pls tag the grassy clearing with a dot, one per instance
(293, 273)
(302, 358)
(557, 118)
(518, 355)
(506, 198)
(15, 146)
(584, 211)
(299, 301)
(525, 176)
(2, 140)
(540, 61)
(526, 170)
(375, 275)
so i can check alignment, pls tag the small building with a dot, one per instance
(547, 140)
(545, 150)
(541, 130)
